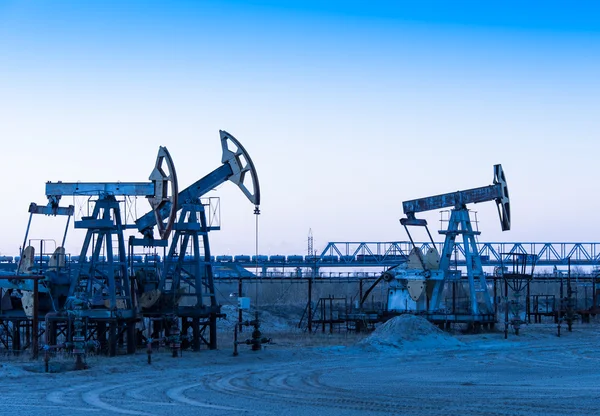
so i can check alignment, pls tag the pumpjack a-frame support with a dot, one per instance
(104, 281)
(460, 224)
(187, 281)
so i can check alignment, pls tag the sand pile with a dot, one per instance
(409, 332)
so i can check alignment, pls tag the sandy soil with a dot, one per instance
(392, 371)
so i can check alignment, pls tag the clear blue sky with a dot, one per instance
(347, 108)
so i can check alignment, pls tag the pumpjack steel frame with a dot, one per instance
(424, 283)
(106, 290)
(191, 232)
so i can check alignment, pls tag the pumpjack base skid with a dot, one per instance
(102, 314)
(16, 333)
(186, 313)
(111, 335)
(16, 314)
(193, 330)
(442, 318)
(461, 318)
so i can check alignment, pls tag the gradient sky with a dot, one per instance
(347, 109)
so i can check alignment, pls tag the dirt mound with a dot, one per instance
(269, 322)
(409, 332)
(11, 370)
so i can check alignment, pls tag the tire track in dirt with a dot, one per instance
(58, 396)
(290, 388)
(93, 398)
(178, 394)
(519, 380)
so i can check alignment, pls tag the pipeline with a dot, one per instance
(174, 340)
(48, 347)
(78, 344)
(257, 339)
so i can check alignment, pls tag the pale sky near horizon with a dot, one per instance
(347, 109)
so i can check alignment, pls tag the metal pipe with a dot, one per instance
(323, 319)
(528, 302)
(41, 254)
(149, 350)
(26, 234)
(235, 339)
(240, 316)
(46, 341)
(330, 314)
(309, 305)
(35, 323)
(47, 322)
(65, 234)
(360, 290)
(506, 309)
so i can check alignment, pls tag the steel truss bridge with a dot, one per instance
(493, 254)
(365, 255)
(385, 254)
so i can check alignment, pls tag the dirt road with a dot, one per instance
(535, 373)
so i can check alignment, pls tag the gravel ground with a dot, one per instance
(322, 374)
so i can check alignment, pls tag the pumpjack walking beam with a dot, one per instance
(236, 166)
(497, 192)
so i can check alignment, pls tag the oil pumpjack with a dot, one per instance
(417, 286)
(103, 287)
